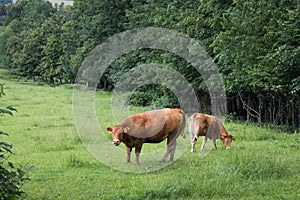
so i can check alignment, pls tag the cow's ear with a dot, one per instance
(232, 137)
(126, 129)
(109, 129)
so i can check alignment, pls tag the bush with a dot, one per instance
(154, 96)
(166, 102)
(141, 98)
(11, 177)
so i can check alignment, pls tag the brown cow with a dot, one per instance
(210, 127)
(150, 127)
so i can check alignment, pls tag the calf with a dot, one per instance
(150, 127)
(210, 127)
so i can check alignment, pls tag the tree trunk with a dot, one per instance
(51, 80)
(259, 109)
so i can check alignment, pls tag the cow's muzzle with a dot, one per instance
(116, 142)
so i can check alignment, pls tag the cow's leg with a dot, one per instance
(193, 149)
(137, 158)
(204, 142)
(138, 149)
(163, 159)
(172, 150)
(215, 143)
(170, 144)
(128, 154)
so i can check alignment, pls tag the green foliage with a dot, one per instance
(22, 19)
(42, 42)
(244, 50)
(155, 96)
(12, 178)
(6, 111)
(254, 43)
(142, 98)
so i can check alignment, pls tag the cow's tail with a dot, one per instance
(183, 124)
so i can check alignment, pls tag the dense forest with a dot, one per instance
(255, 45)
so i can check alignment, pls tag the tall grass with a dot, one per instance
(261, 164)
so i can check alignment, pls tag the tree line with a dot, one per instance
(255, 45)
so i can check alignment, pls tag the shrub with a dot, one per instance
(11, 177)
(154, 96)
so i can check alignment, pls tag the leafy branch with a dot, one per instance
(12, 178)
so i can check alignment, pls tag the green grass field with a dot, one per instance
(262, 164)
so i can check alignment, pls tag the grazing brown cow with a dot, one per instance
(150, 127)
(210, 127)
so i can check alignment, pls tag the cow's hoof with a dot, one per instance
(162, 161)
(136, 163)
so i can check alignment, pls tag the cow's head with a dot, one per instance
(226, 140)
(117, 134)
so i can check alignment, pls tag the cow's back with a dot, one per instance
(154, 126)
(174, 120)
(174, 124)
(205, 125)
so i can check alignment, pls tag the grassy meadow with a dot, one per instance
(262, 164)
